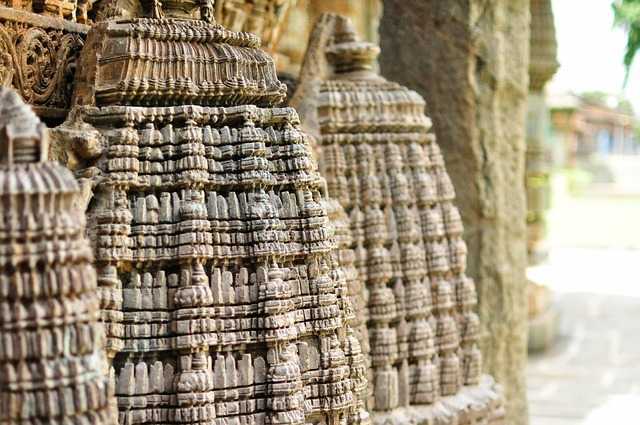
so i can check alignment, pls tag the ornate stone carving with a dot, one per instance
(384, 166)
(261, 17)
(51, 358)
(152, 62)
(40, 41)
(221, 293)
(38, 58)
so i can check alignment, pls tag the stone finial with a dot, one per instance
(346, 52)
(25, 138)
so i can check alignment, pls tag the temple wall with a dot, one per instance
(468, 58)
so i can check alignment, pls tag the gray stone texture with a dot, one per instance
(469, 59)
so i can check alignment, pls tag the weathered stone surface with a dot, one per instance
(384, 167)
(469, 59)
(222, 293)
(52, 367)
(38, 58)
(175, 62)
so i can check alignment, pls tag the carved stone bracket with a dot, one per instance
(38, 58)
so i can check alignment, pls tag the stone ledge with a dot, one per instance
(481, 404)
(43, 21)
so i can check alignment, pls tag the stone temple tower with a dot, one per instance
(221, 290)
(383, 165)
(52, 367)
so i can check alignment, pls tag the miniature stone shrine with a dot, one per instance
(40, 41)
(221, 292)
(384, 167)
(52, 367)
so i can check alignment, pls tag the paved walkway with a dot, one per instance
(591, 376)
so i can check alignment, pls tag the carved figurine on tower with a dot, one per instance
(221, 291)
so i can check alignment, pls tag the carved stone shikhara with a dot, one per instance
(221, 292)
(384, 167)
(51, 358)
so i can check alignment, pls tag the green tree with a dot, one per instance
(627, 16)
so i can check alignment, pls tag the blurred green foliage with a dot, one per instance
(627, 15)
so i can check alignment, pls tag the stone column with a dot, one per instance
(469, 59)
(542, 66)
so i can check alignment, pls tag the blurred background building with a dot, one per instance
(589, 125)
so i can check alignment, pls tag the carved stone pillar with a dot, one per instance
(542, 66)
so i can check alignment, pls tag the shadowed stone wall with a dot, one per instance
(469, 59)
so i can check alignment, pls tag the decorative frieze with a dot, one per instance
(38, 58)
